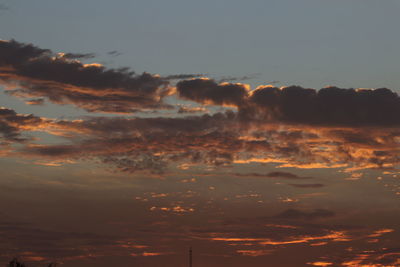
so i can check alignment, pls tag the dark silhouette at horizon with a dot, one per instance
(190, 257)
(16, 263)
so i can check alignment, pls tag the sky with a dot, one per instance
(258, 133)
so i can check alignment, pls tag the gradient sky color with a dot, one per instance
(215, 142)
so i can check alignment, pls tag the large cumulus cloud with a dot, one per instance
(328, 106)
(294, 104)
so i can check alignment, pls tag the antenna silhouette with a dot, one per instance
(190, 257)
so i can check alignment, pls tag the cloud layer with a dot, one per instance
(29, 71)
(290, 126)
(221, 139)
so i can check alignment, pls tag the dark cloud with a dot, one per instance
(78, 55)
(114, 53)
(12, 124)
(63, 79)
(13, 53)
(40, 73)
(294, 214)
(328, 106)
(297, 105)
(207, 91)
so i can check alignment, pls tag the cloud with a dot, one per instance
(207, 91)
(291, 127)
(139, 163)
(29, 71)
(257, 233)
(36, 101)
(380, 256)
(76, 55)
(254, 253)
(139, 143)
(12, 124)
(220, 139)
(320, 263)
(114, 53)
(330, 106)
(184, 110)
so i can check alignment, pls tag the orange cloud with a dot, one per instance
(254, 253)
(321, 263)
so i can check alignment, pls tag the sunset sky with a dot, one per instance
(259, 133)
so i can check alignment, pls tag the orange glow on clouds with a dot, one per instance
(254, 253)
(334, 236)
(321, 263)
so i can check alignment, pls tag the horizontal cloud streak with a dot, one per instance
(62, 79)
(134, 144)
